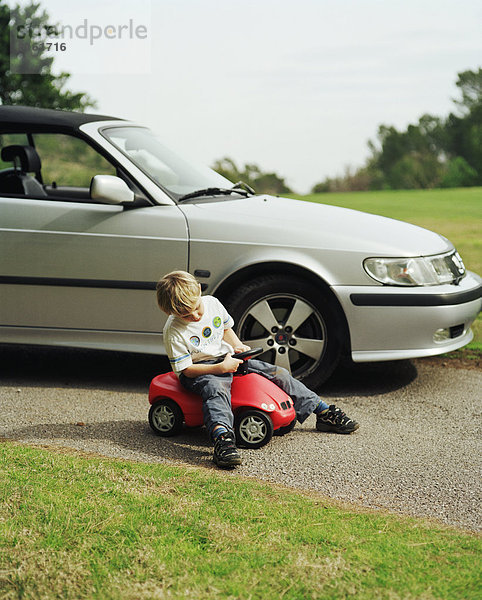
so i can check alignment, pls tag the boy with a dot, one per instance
(202, 346)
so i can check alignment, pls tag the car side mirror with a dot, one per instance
(110, 190)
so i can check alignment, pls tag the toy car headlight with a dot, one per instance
(423, 270)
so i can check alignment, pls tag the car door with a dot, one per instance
(69, 263)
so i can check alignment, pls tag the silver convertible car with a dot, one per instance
(94, 209)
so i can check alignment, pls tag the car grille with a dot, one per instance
(457, 331)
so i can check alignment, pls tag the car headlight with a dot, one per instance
(422, 270)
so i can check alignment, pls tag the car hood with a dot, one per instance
(301, 224)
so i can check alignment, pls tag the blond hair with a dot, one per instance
(177, 293)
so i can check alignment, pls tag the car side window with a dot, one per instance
(50, 166)
(68, 165)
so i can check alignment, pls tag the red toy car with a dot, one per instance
(260, 407)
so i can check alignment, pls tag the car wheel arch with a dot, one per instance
(318, 294)
(250, 272)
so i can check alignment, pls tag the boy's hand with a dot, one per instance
(230, 364)
(241, 348)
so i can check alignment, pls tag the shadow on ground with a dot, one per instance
(113, 438)
(121, 371)
(78, 368)
(191, 446)
(369, 379)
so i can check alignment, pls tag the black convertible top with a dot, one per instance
(26, 118)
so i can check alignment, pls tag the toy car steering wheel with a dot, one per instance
(245, 356)
(248, 354)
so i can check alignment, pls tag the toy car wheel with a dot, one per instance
(166, 418)
(254, 429)
(286, 429)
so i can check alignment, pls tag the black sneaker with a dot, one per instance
(225, 452)
(334, 419)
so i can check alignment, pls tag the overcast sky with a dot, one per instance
(296, 86)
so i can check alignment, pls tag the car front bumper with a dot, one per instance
(391, 323)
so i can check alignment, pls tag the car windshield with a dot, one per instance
(172, 173)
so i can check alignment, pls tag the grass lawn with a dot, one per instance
(455, 213)
(76, 527)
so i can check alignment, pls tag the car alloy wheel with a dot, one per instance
(295, 323)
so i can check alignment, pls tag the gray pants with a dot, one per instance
(215, 391)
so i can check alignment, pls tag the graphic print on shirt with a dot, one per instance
(188, 342)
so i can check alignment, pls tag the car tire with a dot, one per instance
(166, 418)
(296, 322)
(253, 429)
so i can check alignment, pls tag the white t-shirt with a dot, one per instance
(190, 342)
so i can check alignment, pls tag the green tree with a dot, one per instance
(464, 131)
(44, 88)
(415, 170)
(412, 158)
(360, 180)
(470, 85)
(271, 183)
(227, 168)
(263, 183)
(459, 174)
(434, 152)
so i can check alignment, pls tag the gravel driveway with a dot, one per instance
(417, 450)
